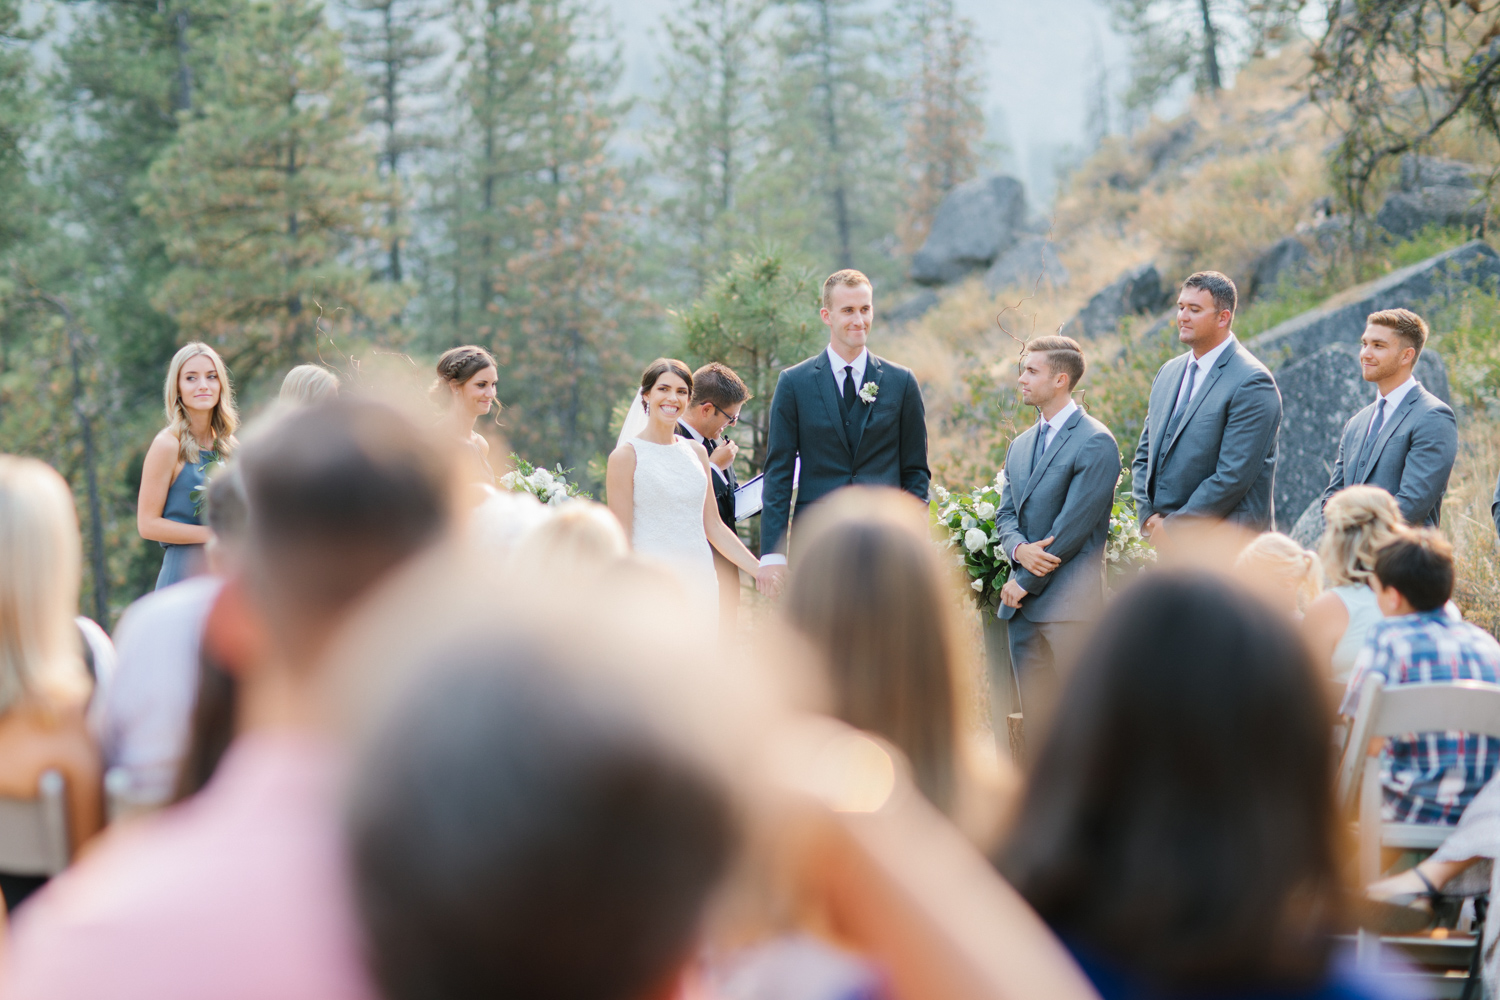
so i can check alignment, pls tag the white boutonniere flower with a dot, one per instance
(867, 392)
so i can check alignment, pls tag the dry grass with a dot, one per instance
(1467, 522)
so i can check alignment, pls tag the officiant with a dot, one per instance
(718, 395)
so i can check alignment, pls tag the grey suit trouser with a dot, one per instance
(1038, 652)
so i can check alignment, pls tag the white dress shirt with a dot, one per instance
(1054, 425)
(838, 364)
(1392, 400)
(700, 439)
(1205, 365)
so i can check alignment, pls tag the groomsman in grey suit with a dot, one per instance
(1208, 449)
(1406, 440)
(1054, 522)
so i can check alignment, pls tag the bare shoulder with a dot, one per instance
(1327, 607)
(623, 456)
(481, 442)
(165, 442)
(33, 741)
(697, 447)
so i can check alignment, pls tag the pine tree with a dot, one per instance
(710, 109)
(265, 192)
(944, 120)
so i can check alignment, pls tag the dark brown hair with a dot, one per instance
(1216, 284)
(718, 384)
(1418, 563)
(1179, 822)
(868, 590)
(660, 367)
(1407, 325)
(459, 364)
(1063, 355)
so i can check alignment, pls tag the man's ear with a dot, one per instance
(235, 636)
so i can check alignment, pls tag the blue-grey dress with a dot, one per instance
(183, 561)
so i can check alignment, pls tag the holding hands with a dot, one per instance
(770, 579)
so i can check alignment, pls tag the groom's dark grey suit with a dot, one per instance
(883, 443)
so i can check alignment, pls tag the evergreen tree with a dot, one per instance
(710, 109)
(266, 192)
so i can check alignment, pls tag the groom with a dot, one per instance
(851, 417)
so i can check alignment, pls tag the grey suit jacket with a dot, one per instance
(1495, 508)
(1068, 496)
(1221, 462)
(1412, 458)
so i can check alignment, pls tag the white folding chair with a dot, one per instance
(34, 832)
(1459, 706)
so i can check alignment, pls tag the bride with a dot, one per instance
(659, 486)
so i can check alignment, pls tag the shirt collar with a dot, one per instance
(839, 364)
(693, 431)
(1061, 417)
(1396, 395)
(1207, 362)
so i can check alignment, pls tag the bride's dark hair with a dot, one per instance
(660, 367)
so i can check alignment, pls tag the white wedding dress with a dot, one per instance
(671, 488)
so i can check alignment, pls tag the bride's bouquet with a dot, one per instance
(547, 485)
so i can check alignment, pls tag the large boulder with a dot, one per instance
(1433, 192)
(1030, 262)
(1341, 320)
(1136, 291)
(976, 222)
(912, 309)
(1285, 260)
(1319, 393)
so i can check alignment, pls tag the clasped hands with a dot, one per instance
(1036, 560)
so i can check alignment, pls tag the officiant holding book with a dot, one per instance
(718, 395)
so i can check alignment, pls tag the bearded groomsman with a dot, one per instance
(1054, 522)
(1208, 449)
(718, 395)
(1406, 440)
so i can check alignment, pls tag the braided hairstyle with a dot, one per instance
(456, 366)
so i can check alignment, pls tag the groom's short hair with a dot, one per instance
(718, 384)
(1406, 324)
(849, 278)
(1226, 296)
(1063, 355)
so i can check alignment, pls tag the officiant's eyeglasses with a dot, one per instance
(732, 420)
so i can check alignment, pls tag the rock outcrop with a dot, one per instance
(914, 308)
(1285, 260)
(975, 223)
(1433, 192)
(1137, 291)
(1032, 261)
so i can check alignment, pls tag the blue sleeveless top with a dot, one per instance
(183, 561)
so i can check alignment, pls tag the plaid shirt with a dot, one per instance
(1429, 777)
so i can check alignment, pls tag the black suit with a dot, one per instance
(723, 490)
(729, 573)
(883, 443)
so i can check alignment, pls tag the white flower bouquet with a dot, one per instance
(199, 494)
(547, 485)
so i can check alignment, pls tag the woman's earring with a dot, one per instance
(645, 404)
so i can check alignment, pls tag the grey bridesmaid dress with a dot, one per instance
(183, 561)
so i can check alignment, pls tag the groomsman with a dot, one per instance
(718, 395)
(1054, 522)
(1406, 440)
(1208, 449)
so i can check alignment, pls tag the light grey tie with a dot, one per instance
(1041, 444)
(1187, 399)
(1369, 447)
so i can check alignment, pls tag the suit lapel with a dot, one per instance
(1389, 428)
(1159, 411)
(824, 378)
(1053, 447)
(874, 372)
(1201, 393)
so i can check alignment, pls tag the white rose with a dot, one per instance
(557, 497)
(542, 477)
(984, 511)
(974, 539)
(968, 523)
(509, 480)
(977, 585)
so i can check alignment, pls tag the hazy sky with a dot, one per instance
(1039, 58)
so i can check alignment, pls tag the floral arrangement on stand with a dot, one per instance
(965, 524)
(547, 485)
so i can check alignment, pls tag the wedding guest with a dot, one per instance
(201, 421)
(1053, 522)
(1406, 440)
(1208, 447)
(826, 437)
(240, 891)
(1283, 573)
(1357, 522)
(1178, 831)
(579, 540)
(465, 389)
(718, 396)
(144, 721)
(306, 385)
(868, 589)
(1432, 777)
(1495, 507)
(44, 690)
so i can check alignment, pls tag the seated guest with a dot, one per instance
(582, 538)
(307, 385)
(239, 891)
(1357, 522)
(1283, 573)
(142, 722)
(869, 590)
(1432, 778)
(44, 689)
(1178, 831)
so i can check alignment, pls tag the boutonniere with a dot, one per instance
(867, 392)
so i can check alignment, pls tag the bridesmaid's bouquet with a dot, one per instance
(547, 485)
(199, 494)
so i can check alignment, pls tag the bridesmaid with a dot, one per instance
(465, 388)
(201, 421)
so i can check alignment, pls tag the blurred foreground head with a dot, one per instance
(521, 831)
(338, 495)
(869, 592)
(1179, 821)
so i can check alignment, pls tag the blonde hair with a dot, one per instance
(307, 385)
(40, 566)
(224, 420)
(1357, 521)
(581, 539)
(1287, 562)
(848, 278)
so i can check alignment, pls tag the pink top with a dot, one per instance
(238, 893)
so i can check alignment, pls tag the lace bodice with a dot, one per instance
(670, 485)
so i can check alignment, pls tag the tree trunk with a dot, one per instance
(1210, 50)
(184, 101)
(837, 192)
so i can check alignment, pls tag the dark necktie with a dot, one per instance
(849, 387)
(1374, 432)
(1187, 399)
